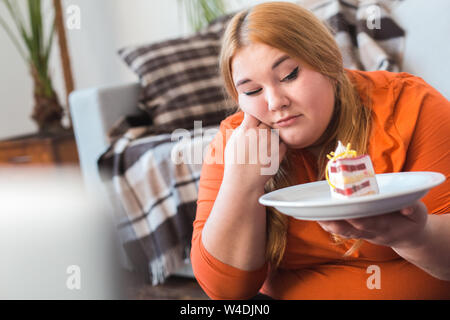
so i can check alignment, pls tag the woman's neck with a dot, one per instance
(314, 150)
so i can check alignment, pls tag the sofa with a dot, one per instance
(95, 111)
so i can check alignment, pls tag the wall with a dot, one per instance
(427, 43)
(107, 25)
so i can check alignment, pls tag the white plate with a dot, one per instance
(313, 201)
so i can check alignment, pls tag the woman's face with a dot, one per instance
(272, 86)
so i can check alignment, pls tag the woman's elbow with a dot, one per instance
(220, 284)
(232, 289)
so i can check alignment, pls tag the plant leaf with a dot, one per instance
(18, 13)
(13, 39)
(17, 17)
(202, 12)
(14, 14)
(48, 45)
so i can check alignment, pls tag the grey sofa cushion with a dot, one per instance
(180, 78)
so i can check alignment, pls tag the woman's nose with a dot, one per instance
(276, 100)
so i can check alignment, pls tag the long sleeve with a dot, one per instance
(411, 126)
(218, 280)
(429, 149)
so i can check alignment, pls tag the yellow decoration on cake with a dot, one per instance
(348, 153)
(352, 175)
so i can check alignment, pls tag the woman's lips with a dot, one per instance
(288, 122)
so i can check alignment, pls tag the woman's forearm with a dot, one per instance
(235, 232)
(431, 250)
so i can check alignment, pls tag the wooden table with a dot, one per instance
(39, 149)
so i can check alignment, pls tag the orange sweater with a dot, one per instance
(411, 126)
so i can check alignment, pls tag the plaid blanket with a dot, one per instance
(153, 182)
(156, 195)
(364, 30)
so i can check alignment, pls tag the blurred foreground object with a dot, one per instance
(56, 241)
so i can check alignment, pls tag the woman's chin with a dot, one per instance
(295, 145)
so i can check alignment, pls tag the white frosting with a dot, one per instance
(340, 148)
(338, 178)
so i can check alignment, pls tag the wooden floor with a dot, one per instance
(174, 288)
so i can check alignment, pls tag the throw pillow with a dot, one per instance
(180, 78)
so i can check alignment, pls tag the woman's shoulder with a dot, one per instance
(232, 121)
(398, 85)
(381, 78)
(226, 128)
(396, 95)
(397, 101)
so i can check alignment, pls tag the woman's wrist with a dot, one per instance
(415, 241)
(241, 184)
(417, 228)
(429, 250)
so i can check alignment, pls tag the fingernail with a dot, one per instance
(407, 210)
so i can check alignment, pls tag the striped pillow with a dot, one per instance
(180, 78)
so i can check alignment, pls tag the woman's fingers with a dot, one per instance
(415, 212)
(390, 229)
(262, 125)
(249, 121)
(253, 151)
(252, 122)
(342, 228)
(388, 221)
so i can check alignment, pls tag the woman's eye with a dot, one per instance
(252, 92)
(291, 76)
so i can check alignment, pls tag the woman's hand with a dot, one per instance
(251, 150)
(400, 229)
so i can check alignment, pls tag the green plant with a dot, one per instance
(34, 46)
(202, 12)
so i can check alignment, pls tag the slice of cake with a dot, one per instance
(350, 175)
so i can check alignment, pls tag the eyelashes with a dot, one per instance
(291, 76)
(253, 92)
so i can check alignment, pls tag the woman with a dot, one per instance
(278, 61)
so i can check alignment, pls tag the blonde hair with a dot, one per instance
(297, 32)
